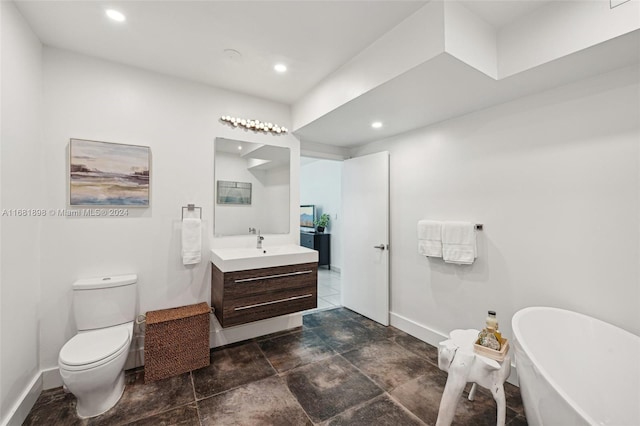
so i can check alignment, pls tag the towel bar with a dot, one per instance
(191, 207)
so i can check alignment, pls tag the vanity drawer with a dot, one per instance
(268, 305)
(267, 280)
(244, 296)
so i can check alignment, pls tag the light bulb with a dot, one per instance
(115, 15)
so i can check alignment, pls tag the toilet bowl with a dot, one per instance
(91, 363)
(92, 367)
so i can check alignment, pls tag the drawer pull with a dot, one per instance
(268, 277)
(288, 299)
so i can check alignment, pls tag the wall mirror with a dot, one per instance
(251, 188)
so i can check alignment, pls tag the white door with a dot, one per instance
(365, 214)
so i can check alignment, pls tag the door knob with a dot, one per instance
(381, 247)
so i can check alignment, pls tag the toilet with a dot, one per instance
(92, 362)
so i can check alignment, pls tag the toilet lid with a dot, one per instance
(93, 346)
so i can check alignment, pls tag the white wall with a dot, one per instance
(560, 28)
(319, 150)
(470, 39)
(99, 100)
(554, 179)
(321, 185)
(234, 219)
(268, 210)
(21, 177)
(276, 216)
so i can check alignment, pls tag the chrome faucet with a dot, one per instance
(260, 239)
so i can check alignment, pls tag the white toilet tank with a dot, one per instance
(104, 302)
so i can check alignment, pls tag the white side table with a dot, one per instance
(457, 357)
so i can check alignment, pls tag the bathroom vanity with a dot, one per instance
(254, 284)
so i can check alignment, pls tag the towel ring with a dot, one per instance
(191, 207)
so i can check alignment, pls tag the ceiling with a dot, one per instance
(445, 87)
(313, 39)
(188, 38)
(500, 13)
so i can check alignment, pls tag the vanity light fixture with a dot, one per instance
(256, 125)
(280, 68)
(115, 15)
(376, 124)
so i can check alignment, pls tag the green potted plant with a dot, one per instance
(322, 222)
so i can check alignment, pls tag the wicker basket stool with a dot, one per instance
(176, 341)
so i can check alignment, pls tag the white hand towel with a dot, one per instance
(459, 242)
(191, 241)
(430, 238)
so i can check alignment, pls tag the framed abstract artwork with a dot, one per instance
(108, 174)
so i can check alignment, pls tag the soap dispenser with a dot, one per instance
(490, 337)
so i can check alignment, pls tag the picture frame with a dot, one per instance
(307, 216)
(108, 174)
(231, 192)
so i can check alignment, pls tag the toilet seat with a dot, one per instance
(93, 348)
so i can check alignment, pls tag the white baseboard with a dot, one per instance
(433, 337)
(51, 378)
(418, 330)
(18, 414)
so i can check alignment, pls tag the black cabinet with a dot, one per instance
(319, 242)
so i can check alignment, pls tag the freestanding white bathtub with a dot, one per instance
(576, 370)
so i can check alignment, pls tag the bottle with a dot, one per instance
(490, 337)
(492, 322)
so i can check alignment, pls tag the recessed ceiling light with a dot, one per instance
(280, 68)
(376, 124)
(115, 15)
(240, 147)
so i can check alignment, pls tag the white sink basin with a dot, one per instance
(240, 259)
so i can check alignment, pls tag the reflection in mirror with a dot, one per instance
(251, 188)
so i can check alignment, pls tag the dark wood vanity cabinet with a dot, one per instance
(241, 297)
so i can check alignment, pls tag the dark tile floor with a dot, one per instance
(338, 369)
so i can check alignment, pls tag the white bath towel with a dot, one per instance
(191, 241)
(459, 242)
(430, 238)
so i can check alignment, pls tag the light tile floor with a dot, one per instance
(329, 290)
